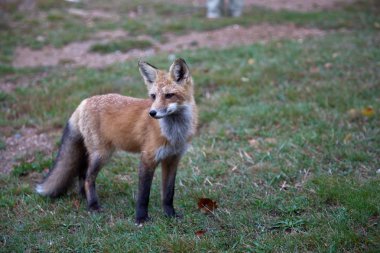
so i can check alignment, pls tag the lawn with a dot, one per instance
(288, 142)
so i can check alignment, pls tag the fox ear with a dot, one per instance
(179, 70)
(148, 72)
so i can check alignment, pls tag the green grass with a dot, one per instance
(120, 45)
(38, 164)
(290, 169)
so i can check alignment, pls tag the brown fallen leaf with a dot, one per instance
(251, 61)
(270, 140)
(347, 138)
(254, 143)
(207, 205)
(353, 114)
(368, 111)
(76, 204)
(314, 70)
(200, 233)
(284, 186)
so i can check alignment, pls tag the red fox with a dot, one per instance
(160, 128)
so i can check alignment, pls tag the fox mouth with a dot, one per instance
(159, 115)
(163, 112)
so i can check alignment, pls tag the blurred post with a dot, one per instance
(215, 8)
(235, 8)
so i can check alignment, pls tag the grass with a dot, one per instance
(120, 45)
(290, 168)
(38, 164)
(57, 27)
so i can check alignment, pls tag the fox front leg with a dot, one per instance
(146, 173)
(169, 171)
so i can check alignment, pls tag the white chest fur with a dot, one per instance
(176, 128)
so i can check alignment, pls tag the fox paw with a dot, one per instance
(174, 215)
(171, 213)
(141, 220)
(94, 207)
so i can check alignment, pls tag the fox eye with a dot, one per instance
(153, 96)
(169, 95)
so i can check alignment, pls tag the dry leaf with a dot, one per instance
(245, 79)
(368, 111)
(200, 233)
(247, 155)
(314, 70)
(251, 61)
(253, 142)
(347, 138)
(353, 113)
(284, 186)
(207, 205)
(270, 140)
(76, 204)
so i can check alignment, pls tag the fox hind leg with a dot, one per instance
(94, 165)
(82, 168)
(82, 176)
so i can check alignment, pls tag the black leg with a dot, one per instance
(89, 184)
(82, 176)
(169, 171)
(145, 181)
(81, 179)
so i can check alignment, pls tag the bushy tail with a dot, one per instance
(71, 161)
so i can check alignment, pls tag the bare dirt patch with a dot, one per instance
(23, 145)
(293, 5)
(77, 53)
(237, 35)
(91, 15)
(299, 5)
(110, 35)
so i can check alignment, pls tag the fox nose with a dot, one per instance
(153, 113)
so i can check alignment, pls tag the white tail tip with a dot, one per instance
(40, 189)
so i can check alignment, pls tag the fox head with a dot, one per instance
(171, 92)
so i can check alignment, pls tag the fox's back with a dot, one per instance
(114, 121)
